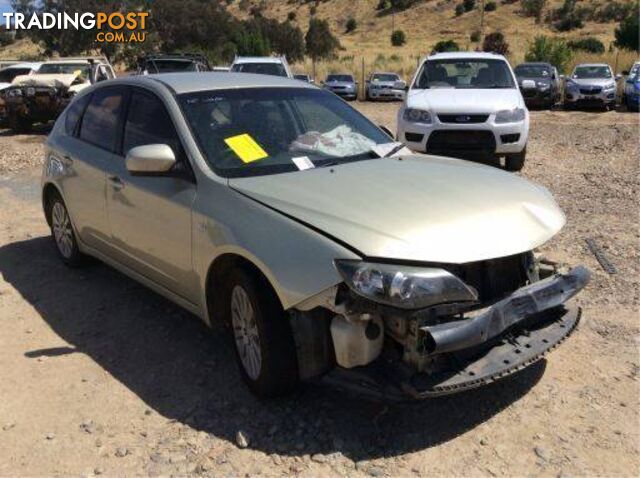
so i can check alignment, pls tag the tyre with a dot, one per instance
(263, 339)
(62, 232)
(20, 124)
(515, 162)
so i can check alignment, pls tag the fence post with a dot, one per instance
(362, 94)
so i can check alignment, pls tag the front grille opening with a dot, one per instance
(463, 118)
(510, 138)
(462, 143)
(414, 137)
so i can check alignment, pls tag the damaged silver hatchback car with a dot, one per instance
(333, 253)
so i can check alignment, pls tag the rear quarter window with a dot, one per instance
(74, 113)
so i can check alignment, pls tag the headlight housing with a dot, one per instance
(414, 115)
(14, 93)
(510, 116)
(405, 287)
(571, 85)
(543, 86)
(610, 86)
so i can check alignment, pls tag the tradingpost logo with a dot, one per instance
(110, 27)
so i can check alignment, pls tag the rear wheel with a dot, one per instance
(264, 343)
(62, 232)
(515, 162)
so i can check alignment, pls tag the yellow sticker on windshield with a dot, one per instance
(246, 148)
(77, 72)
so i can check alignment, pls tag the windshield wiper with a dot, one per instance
(397, 148)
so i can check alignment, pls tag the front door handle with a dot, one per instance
(116, 183)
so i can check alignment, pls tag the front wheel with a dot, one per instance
(264, 342)
(63, 233)
(515, 162)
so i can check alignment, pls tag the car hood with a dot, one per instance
(339, 83)
(465, 100)
(417, 208)
(4, 85)
(45, 80)
(592, 82)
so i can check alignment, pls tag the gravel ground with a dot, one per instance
(99, 376)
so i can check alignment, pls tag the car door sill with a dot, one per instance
(173, 297)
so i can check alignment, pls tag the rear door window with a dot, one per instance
(100, 123)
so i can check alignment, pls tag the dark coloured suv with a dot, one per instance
(539, 84)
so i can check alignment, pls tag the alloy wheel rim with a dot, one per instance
(62, 231)
(245, 331)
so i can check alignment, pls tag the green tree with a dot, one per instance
(444, 46)
(627, 33)
(496, 43)
(551, 50)
(351, 25)
(590, 44)
(320, 42)
(533, 8)
(398, 38)
(468, 5)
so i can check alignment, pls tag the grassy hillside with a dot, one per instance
(425, 24)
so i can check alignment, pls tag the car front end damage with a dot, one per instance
(399, 332)
(38, 98)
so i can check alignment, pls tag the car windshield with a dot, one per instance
(7, 75)
(65, 69)
(345, 78)
(591, 72)
(273, 69)
(532, 71)
(480, 73)
(170, 66)
(384, 77)
(259, 131)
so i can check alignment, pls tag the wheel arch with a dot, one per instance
(48, 192)
(215, 290)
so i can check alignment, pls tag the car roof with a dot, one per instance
(339, 74)
(22, 65)
(535, 63)
(194, 82)
(257, 59)
(456, 55)
(593, 64)
(384, 73)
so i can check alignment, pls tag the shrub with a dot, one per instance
(469, 5)
(475, 36)
(352, 24)
(551, 50)
(568, 17)
(627, 33)
(490, 6)
(398, 38)
(495, 43)
(313, 10)
(445, 45)
(291, 16)
(590, 44)
(459, 9)
(533, 8)
(614, 11)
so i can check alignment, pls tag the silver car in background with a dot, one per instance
(332, 253)
(385, 86)
(591, 85)
(343, 85)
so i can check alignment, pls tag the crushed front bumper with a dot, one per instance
(508, 336)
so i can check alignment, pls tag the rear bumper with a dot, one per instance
(505, 338)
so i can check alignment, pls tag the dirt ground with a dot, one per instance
(100, 376)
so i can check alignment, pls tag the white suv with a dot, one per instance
(466, 105)
(262, 65)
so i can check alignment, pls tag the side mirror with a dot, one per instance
(386, 130)
(150, 159)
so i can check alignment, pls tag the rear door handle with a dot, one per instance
(116, 183)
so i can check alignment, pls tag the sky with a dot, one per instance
(4, 7)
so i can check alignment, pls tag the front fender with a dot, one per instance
(297, 261)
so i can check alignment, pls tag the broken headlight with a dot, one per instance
(405, 287)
